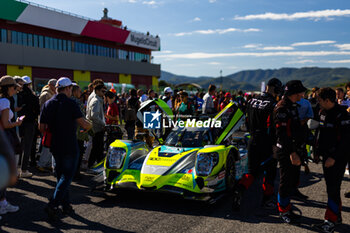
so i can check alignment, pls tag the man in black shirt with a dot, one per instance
(289, 140)
(332, 141)
(132, 106)
(259, 114)
(60, 116)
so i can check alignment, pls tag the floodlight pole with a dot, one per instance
(221, 80)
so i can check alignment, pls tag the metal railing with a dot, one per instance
(71, 14)
(54, 9)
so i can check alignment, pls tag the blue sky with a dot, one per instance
(202, 37)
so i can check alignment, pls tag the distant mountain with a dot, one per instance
(177, 79)
(310, 76)
(251, 79)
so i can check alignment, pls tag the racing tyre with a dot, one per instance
(230, 176)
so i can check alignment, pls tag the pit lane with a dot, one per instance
(149, 212)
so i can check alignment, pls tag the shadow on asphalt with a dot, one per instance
(31, 215)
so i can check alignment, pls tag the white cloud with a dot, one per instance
(298, 15)
(339, 61)
(217, 31)
(343, 46)
(320, 42)
(277, 48)
(266, 48)
(132, 1)
(214, 63)
(260, 54)
(251, 46)
(252, 30)
(301, 62)
(151, 3)
(212, 1)
(164, 52)
(197, 19)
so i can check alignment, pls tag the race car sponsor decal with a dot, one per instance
(130, 176)
(181, 181)
(156, 160)
(148, 178)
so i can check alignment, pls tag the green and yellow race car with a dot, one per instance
(195, 162)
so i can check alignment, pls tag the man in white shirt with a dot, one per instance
(167, 96)
(208, 103)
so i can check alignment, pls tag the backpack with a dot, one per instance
(130, 113)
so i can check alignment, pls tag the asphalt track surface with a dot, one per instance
(148, 212)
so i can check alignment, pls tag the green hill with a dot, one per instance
(251, 79)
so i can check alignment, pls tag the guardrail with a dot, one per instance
(69, 13)
(54, 9)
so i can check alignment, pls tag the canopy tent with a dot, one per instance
(119, 87)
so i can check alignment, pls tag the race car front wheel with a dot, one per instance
(230, 176)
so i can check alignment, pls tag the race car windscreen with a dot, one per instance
(187, 138)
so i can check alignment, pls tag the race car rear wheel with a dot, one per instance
(230, 176)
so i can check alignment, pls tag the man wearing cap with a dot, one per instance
(48, 91)
(167, 96)
(60, 115)
(31, 110)
(95, 113)
(305, 113)
(142, 97)
(332, 142)
(289, 139)
(262, 138)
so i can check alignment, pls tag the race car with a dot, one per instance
(195, 162)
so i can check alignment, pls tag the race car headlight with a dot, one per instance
(206, 162)
(115, 157)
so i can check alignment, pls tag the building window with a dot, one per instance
(3, 35)
(59, 47)
(79, 47)
(41, 42)
(55, 41)
(25, 39)
(9, 36)
(51, 43)
(64, 45)
(76, 47)
(90, 49)
(69, 45)
(14, 37)
(30, 40)
(35, 41)
(47, 42)
(19, 38)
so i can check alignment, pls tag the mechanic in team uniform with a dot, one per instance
(290, 138)
(259, 114)
(332, 140)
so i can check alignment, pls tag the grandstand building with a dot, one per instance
(46, 43)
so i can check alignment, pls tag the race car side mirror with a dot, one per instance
(312, 124)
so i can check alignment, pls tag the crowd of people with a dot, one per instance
(280, 124)
(72, 124)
